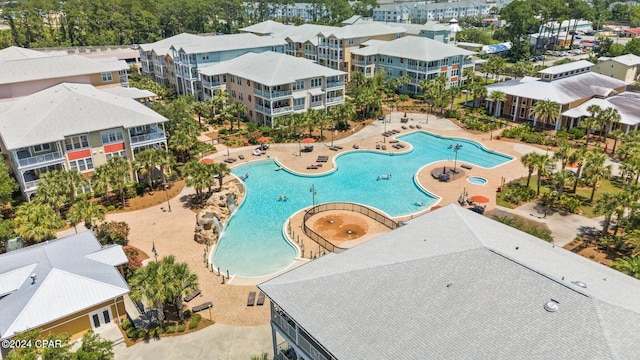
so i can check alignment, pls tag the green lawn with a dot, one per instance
(583, 193)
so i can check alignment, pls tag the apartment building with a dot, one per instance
(156, 61)
(272, 84)
(481, 290)
(73, 126)
(419, 58)
(419, 12)
(24, 71)
(624, 67)
(335, 45)
(188, 58)
(307, 12)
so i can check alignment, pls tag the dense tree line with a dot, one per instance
(50, 23)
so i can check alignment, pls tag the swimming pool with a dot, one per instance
(477, 180)
(253, 244)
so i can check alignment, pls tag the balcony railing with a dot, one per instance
(273, 94)
(417, 68)
(316, 104)
(40, 159)
(284, 325)
(335, 99)
(298, 107)
(310, 349)
(361, 62)
(281, 110)
(210, 84)
(147, 137)
(31, 184)
(334, 84)
(323, 56)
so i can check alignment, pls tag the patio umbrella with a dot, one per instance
(207, 161)
(308, 140)
(263, 139)
(480, 199)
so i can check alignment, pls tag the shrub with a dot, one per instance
(517, 193)
(170, 330)
(142, 333)
(111, 207)
(134, 261)
(181, 328)
(195, 319)
(576, 133)
(132, 333)
(130, 192)
(404, 97)
(570, 204)
(157, 331)
(187, 314)
(126, 325)
(451, 114)
(113, 232)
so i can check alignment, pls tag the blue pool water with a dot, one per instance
(253, 244)
(477, 180)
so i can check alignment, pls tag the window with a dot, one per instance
(249, 83)
(298, 85)
(317, 82)
(121, 153)
(76, 142)
(522, 110)
(298, 102)
(111, 136)
(106, 77)
(82, 165)
(316, 98)
(240, 96)
(239, 80)
(249, 97)
(233, 78)
(42, 148)
(233, 93)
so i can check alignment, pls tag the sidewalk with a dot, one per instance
(214, 342)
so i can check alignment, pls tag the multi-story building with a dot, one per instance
(419, 58)
(569, 85)
(188, 58)
(25, 71)
(418, 12)
(66, 286)
(155, 58)
(623, 67)
(73, 126)
(480, 290)
(272, 84)
(335, 46)
(302, 40)
(307, 12)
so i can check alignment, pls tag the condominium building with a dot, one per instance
(452, 284)
(408, 12)
(73, 126)
(569, 85)
(156, 61)
(24, 71)
(419, 58)
(272, 84)
(307, 12)
(624, 67)
(188, 58)
(335, 45)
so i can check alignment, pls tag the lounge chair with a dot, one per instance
(260, 301)
(201, 307)
(412, 126)
(251, 299)
(192, 295)
(466, 166)
(418, 126)
(338, 147)
(312, 167)
(241, 157)
(404, 127)
(377, 146)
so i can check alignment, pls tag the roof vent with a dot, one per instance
(551, 306)
(449, 284)
(33, 278)
(579, 283)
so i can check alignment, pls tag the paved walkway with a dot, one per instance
(214, 342)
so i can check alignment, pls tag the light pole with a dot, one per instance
(166, 193)
(313, 194)
(455, 149)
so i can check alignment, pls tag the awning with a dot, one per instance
(316, 92)
(299, 95)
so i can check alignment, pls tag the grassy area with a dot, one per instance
(583, 193)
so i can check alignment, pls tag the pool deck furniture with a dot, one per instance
(192, 295)
(404, 127)
(251, 299)
(201, 307)
(418, 126)
(241, 157)
(377, 146)
(384, 147)
(466, 166)
(260, 300)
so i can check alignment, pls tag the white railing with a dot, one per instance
(310, 349)
(281, 110)
(360, 62)
(40, 159)
(147, 137)
(273, 94)
(323, 56)
(210, 84)
(334, 99)
(284, 325)
(316, 103)
(31, 184)
(334, 84)
(417, 68)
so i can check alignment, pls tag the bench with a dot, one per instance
(192, 295)
(201, 307)
(466, 166)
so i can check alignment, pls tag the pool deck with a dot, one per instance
(172, 232)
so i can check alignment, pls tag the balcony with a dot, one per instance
(335, 99)
(361, 62)
(42, 159)
(298, 107)
(274, 111)
(142, 138)
(211, 84)
(417, 68)
(30, 185)
(316, 104)
(272, 94)
(334, 84)
(323, 56)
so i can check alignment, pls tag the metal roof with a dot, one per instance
(412, 47)
(270, 68)
(110, 255)
(130, 92)
(266, 27)
(627, 104)
(362, 29)
(627, 59)
(228, 42)
(572, 66)
(163, 47)
(62, 280)
(457, 285)
(68, 109)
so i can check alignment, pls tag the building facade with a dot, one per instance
(73, 126)
(623, 67)
(272, 84)
(418, 58)
(155, 58)
(420, 12)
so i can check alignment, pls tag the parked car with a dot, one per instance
(563, 53)
(542, 57)
(555, 53)
(533, 58)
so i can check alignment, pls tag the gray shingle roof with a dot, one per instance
(68, 109)
(456, 285)
(270, 68)
(67, 281)
(412, 47)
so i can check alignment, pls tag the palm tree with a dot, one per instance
(479, 93)
(358, 78)
(628, 265)
(235, 111)
(577, 157)
(35, 222)
(166, 161)
(100, 180)
(311, 120)
(85, 211)
(200, 109)
(498, 97)
(563, 153)
(615, 135)
(342, 113)
(528, 161)
(182, 140)
(560, 178)
(149, 284)
(592, 121)
(540, 162)
(453, 92)
(145, 162)
(181, 283)
(546, 111)
(322, 120)
(220, 170)
(609, 116)
(595, 170)
(119, 172)
(51, 190)
(200, 176)
(220, 99)
(73, 181)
